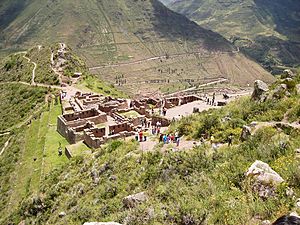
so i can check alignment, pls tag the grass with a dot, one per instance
(92, 83)
(17, 102)
(36, 155)
(52, 140)
(79, 149)
(131, 114)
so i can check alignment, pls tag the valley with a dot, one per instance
(128, 113)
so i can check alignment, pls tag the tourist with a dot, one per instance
(172, 138)
(176, 135)
(141, 136)
(213, 98)
(165, 139)
(158, 131)
(137, 136)
(230, 138)
(157, 124)
(145, 133)
(177, 141)
(161, 137)
(202, 140)
(207, 101)
(164, 111)
(212, 139)
(153, 130)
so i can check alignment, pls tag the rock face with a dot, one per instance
(260, 92)
(280, 91)
(132, 200)
(264, 173)
(102, 223)
(298, 89)
(288, 73)
(265, 179)
(246, 133)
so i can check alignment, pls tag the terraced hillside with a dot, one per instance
(202, 184)
(164, 46)
(267, 30)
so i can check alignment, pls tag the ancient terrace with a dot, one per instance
(95, 119)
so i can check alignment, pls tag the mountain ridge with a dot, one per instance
(118, 32)
(266, 30)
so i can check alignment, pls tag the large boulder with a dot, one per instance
(132, 200)
(260, 92)
(280, 91)
(288, 74)
(101, 223)
(246, 133)
(264, 179)
(262, 172)
(298, 89)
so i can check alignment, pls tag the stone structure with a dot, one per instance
(260, 92)
(95, 119)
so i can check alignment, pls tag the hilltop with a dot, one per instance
(120, 40)
(266, 30)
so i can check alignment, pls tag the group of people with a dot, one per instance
(141, 135)
(170, 138)
(211, 101)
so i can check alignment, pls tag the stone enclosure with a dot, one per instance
(95, 119)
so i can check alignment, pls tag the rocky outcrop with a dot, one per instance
(288, 74)
(262, 172)
(280, 91)
(260, 92)
(264, 178)
(132, 200)
(246, 133)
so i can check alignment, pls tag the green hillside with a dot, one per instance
(110, 35)
(269, 31)
(195, 186)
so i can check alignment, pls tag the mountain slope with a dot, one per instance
(267, 30)
(108, 33)
(188, 187)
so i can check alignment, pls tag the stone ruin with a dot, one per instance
(95, 119)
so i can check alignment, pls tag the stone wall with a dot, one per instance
(120, 127)
(164, 121)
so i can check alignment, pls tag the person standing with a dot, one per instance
(212, 139)
(177, 141)
(176, 135)
(141, 136)
(230, 139)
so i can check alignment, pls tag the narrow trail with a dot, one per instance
(221, 80)
(34, 68)
(260, 125)
(4, 134)
(157, 58)
(5, 146)
(59, 74)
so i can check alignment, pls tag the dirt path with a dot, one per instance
(220, 80)
(4, 134)
(260, 125)
(156, 58)
(5, 146)
(34, 68)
